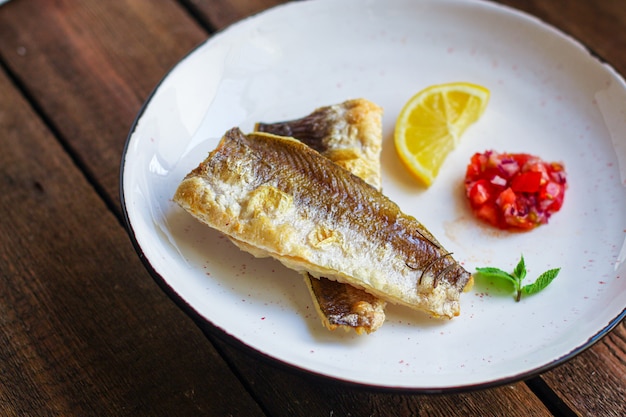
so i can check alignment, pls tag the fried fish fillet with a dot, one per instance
(344, 306)
(349, 134)
(280, 198)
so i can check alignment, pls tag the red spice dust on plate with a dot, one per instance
(514, 191)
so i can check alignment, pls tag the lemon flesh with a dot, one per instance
(431, 123)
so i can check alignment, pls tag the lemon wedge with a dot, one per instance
(432, 122)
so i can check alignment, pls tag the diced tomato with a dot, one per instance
(506, 198)
(514, 191)
(487, 213)
(551, 195)
(479, 193)
(527, 182)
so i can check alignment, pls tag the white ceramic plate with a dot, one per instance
(550, 97)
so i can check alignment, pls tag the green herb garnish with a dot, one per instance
(516, 277)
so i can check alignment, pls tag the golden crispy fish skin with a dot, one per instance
(285, 200)
(349, 134)
(343, 306)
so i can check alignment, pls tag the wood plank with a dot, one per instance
(98, 101)
(294, 389)
(291, 393)
(599, 25)
(598, 374)
(83, 328)
(92, 65)
(221, 13)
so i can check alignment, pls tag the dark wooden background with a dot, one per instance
(84, 329)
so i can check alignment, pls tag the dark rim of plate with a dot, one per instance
(209, 329)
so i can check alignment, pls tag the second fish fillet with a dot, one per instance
(349, 134)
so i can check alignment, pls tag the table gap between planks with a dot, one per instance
(85, 330)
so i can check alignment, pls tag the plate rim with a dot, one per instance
(210, 328)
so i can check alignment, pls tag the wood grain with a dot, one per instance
(599, 25)
(290, 393)
(595, 381)
(91, 67)
(220, 13)
(84, 329)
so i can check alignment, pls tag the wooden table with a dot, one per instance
(84, 329)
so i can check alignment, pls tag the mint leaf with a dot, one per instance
(520, 269)
(496, 273)
(541, 282)
(516, 277)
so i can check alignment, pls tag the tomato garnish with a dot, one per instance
(514, 191)
(526, 182)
